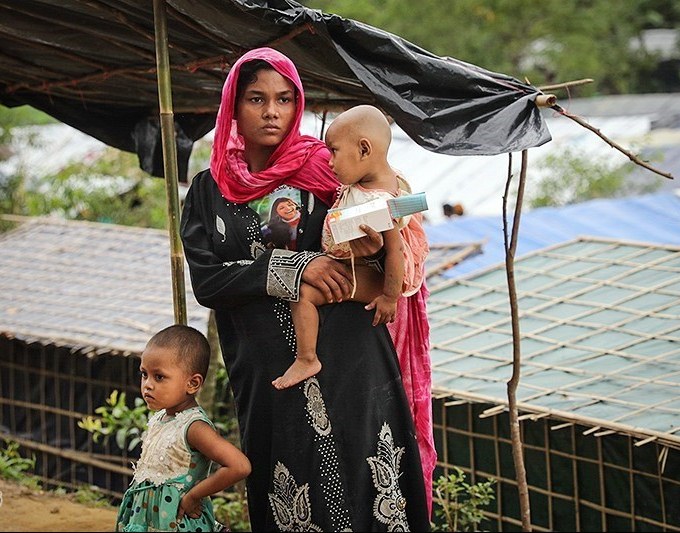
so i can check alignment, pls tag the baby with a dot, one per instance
(359, 140)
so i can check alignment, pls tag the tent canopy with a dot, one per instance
(92, 65)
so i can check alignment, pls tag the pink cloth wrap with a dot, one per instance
(410, 334)
(299, 161)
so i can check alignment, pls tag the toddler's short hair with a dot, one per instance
(192, 347)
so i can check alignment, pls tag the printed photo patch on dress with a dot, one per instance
(279, 214)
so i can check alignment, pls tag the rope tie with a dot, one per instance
(354, 274)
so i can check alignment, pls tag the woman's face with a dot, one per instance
(266, 111)
(286, 209)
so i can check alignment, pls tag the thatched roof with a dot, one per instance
(98, 288)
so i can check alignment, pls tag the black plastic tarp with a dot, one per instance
(91, 64)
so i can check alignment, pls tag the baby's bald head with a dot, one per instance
(363, 121)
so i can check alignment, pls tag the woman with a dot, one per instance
(338, 451)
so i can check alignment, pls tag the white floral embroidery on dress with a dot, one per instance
(389, 506)
(332, 487)
(165, 454)
(316, 408)
(290, 503)
(221, 227)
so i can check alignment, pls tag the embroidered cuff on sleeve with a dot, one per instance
(284, 273)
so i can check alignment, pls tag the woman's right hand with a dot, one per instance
(331, 277)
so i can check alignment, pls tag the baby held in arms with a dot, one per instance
(358, 140)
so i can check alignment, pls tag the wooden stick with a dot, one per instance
(565, 85)
(510, 237)
(635, 159)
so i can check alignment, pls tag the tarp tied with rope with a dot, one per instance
(92, 64)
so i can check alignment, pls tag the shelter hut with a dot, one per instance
(598, 396)
(78, 301)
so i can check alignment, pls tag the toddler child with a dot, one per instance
(172, 482)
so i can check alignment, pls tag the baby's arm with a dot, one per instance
(235, 466)
(385, 305)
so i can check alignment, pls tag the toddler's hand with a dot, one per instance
(369, 244)
(190, 506)
(385, 309)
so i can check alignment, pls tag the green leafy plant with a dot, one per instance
(459, 504)
(15, 467)
(117, 419)
(231, 510)
(91, 495)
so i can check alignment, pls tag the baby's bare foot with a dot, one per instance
(297, 372)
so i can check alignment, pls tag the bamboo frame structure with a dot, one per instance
(580, 497)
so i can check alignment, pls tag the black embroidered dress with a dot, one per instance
(337, 452)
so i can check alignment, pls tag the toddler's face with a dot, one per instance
(345, 156)
(164, 380)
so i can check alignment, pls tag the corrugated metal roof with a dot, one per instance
(655, 105)
(600, 330)
(652, 218)
(94, 287)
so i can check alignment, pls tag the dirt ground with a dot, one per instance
(22, 509)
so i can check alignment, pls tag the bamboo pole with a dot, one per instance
(169, 160)
(510, 249)
(546, 100)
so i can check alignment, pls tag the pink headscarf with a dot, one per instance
(299, 161)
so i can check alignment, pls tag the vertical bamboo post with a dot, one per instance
(510, 249)
(169, 159)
